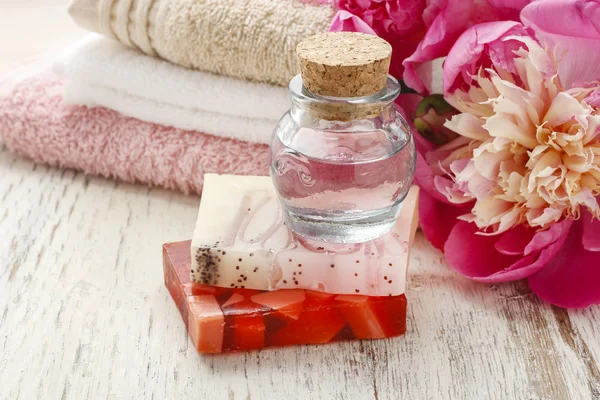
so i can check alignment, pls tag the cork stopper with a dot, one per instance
(344, 64)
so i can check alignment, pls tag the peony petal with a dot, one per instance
(548, 216)
(468, 125)
(406, 104)
(437, 219)
(451, 190)
(475, 255)
(514, 4)
(402, 47)
(586, 198)
(573, 26)
(449, 152)
(488, 162)
(480, 187)
(549, 161)
(469, 48)
(457, 167)
(593, 99)
(449, 22)
(499, 125)
(571, 277)
(544, 252)
(344, 21)
(574, 18)
(508, 221)
(490, 210)
(478, 258)
(424, 178)
(422, 145)
(517, 112)
(591, 231)
(498, 10)
(515, 240)
(545, 238)
(564, 108)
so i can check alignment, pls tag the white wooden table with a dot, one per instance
(84, 312)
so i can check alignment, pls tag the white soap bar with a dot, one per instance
(241, 241)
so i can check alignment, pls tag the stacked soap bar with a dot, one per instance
(228, 319)
(241, 241)
(246, 282)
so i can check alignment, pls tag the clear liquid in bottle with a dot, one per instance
(342, 186)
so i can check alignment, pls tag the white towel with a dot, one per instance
(101, 72)
(246, 129)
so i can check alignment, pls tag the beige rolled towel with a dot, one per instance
(248, 39)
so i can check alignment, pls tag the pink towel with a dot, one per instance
(35, 123)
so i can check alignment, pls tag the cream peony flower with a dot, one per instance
(529, 149)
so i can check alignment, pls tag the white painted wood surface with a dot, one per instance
(84, 313)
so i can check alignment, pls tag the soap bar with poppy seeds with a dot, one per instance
(233, 319)
(241, 241)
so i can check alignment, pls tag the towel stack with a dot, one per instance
(164, 91)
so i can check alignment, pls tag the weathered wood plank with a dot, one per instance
(83, 312)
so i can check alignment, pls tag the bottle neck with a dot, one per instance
(323, 112)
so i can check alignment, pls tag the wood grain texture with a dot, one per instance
(84, 312)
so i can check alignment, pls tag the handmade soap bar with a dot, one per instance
(226, 319)
(241, 241)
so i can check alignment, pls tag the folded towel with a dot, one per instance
(248, 39)
(36, 123)
(246, 129)
(99, 61)
(104, 73)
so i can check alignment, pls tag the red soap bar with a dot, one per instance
(224, 319)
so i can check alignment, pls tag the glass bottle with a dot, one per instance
(342, 158)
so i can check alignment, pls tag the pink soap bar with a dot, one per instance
(232, 319)
(241, 241)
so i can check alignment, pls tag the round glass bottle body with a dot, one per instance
(342, 180)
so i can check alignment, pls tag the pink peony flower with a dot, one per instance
(448, 20)
(491, 44)
(397, 21)
(445, 20)
(345, 21)
(387, 17)
(593, 98)
(497, 10)
(420, 31)
(570, 278)
(573, 26)
(515, 196)
(531, 157)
